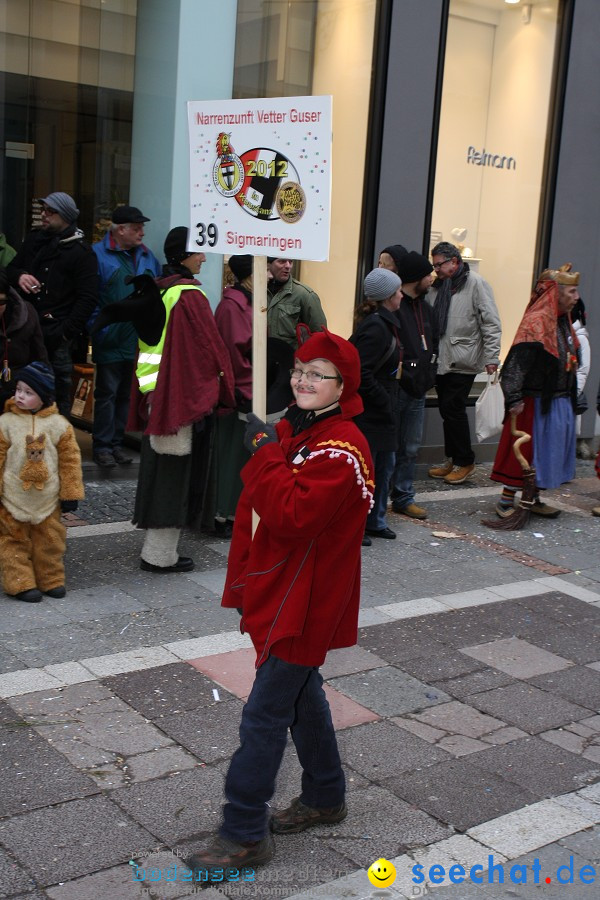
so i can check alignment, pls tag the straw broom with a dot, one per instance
(520, 517)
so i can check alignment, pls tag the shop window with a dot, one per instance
(301, 47)
(493, 130)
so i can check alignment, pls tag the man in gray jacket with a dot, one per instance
(470, 332)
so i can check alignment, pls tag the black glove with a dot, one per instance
(258, 433)
(68, 505)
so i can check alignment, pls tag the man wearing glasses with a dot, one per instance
(469, 332)
(57, 271)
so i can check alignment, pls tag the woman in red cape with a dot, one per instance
(539, 384)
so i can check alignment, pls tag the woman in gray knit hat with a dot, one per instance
(376, 337)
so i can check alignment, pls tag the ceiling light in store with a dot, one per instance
(511, 1)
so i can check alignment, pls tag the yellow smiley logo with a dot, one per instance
(381, 873)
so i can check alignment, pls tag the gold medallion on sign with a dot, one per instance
(291, 202)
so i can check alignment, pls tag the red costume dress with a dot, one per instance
(297, 583)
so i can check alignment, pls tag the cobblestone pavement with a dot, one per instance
(468, 716)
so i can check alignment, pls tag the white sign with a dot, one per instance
(260, 176)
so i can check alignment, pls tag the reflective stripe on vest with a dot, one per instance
(150, 357)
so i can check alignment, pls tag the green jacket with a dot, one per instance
(6, 251)
(293, 304)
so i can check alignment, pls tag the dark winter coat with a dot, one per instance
(21, 341)
(67, 268)
(379, 386)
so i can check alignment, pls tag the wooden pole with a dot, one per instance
(259, 346)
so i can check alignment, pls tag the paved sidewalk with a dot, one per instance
(468, 715)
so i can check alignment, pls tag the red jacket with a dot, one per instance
(298, 581)
(233, 316)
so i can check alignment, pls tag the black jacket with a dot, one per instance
(21, 341)
(67, 268)
(417, 324)
(379, 386)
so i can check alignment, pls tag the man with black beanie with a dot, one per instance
(419, 340)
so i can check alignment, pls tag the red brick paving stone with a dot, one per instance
(346, 712)
(70, 520)
(233, 670)
(515, 555)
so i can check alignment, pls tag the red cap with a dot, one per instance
(344, 356)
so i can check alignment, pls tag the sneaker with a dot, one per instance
(298, 817)
(441, 471)
(121, 457)
(459, 474)
(104, 459)
(224, 853)
(412, 511)
(504, 511)
(596, 511)
(542, 509)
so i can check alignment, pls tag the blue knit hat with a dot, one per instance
(40, 378)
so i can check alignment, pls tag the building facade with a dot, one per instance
(473, 121)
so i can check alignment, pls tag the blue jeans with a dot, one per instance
(111, 403)
(284, 695)
(410, 433)
(384, 466)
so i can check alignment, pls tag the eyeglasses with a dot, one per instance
(312, 377)
(443, 262)
(47, 211)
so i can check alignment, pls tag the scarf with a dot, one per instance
(538, 325)
(447, 288)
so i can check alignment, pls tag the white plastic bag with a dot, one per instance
(489, 409)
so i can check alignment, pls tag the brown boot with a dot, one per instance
(223, 853)
(442, 470)
(298, 817)
(459, 474)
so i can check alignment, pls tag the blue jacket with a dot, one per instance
(118, 342)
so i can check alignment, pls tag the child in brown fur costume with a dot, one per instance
(38, 450)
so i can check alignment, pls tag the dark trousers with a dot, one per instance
(284, 695)
(111, 403)
(453, 394)
(61, 361)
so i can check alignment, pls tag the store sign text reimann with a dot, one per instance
(494, 160)
(260, 176)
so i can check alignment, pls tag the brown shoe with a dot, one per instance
(596, 511)
(223, 853)
(412, 511)
(543, 509)
(459, 474)
(298, 817)
(441, 471)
